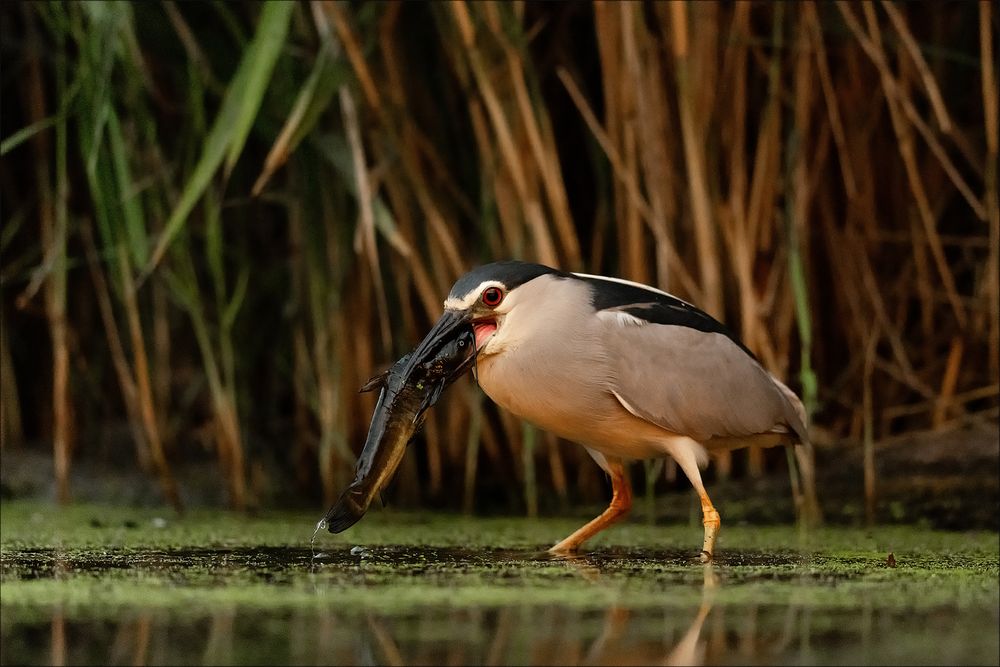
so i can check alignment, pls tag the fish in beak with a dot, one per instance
(438, 345)
(411, 385)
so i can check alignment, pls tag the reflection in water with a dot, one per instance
(219, 646)
(606, 649)
(505, 635)
(709, 634)
(699, 621)
(58, 652)
(690, 650)
(389, 652)
(143, 626)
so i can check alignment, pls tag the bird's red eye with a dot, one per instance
(492, 296)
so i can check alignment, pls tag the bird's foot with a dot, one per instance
(564, 548)
(712, 523)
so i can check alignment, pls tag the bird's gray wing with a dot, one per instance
(678, 367)
(694, 382)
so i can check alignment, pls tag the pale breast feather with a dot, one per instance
(611, 296)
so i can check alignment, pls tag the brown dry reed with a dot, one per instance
(220, 219)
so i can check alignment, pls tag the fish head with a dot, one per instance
(445, 353)
(453, 358)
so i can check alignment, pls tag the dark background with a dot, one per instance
(806, 173)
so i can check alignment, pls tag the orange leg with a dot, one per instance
(712, 523)
(684, 452)
(621, 503)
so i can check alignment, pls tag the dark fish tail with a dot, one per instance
(344, 514)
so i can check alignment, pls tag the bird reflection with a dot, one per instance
(388, 650)
(57, 652)
(690, 650)
(510, 633)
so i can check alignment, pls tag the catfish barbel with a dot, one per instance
(408, 389)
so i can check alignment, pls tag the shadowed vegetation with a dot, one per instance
(220, 219)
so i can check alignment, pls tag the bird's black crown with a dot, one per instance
(511, 273)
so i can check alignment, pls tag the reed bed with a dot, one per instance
(220, 219)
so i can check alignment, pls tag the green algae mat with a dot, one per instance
(106, 585)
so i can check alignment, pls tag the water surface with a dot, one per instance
(127, 587)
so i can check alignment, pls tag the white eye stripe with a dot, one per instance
(465, 302)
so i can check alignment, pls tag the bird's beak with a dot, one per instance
(445, 330)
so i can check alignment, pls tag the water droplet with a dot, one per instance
(320, 525)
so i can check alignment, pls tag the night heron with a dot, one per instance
(624, 369)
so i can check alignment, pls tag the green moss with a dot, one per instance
(32, 524)
(94, 566)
